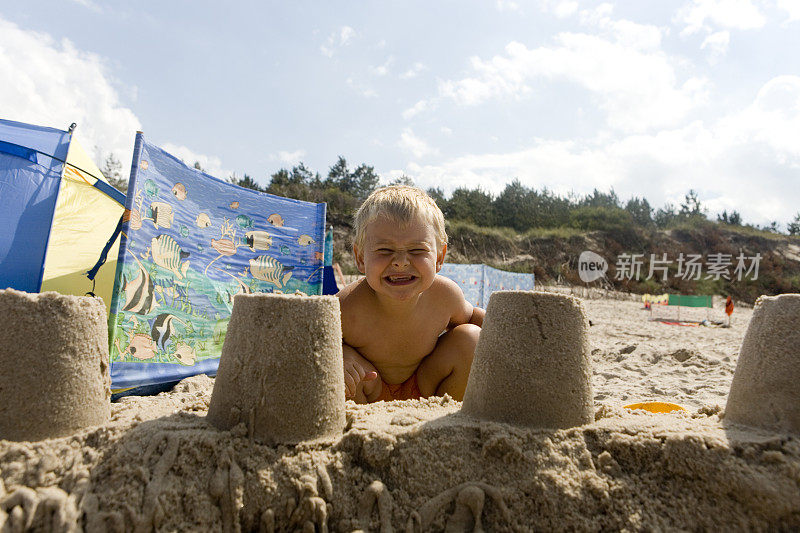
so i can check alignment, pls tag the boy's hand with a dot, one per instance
(361, 383)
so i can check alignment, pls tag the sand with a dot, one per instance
(53, 364)
(425, 466)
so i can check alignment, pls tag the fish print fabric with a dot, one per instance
(190, 243)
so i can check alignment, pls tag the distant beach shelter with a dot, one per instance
(57, 213)
(479, 281)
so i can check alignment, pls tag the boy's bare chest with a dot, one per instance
(381, 339)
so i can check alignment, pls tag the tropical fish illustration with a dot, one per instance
(139, 296)
(134, 215)
(258, 240)
(275, 219)
(234, 205)
(179, 190)
(185, 354)
(270, 270)
(226, 245)
(285, 250)
(244, 221)
(162, 328)
(168, 254)
(227, 298)
(140, 346)
(143, 165)
(184, 230)
(305, 240)
(203, 220)
(161, 214)
(150, 188)
(319, 256)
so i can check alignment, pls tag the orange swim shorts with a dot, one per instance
(407, 390)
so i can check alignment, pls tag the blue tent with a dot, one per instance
(58, 212)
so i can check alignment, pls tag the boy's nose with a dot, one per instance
(400, 259)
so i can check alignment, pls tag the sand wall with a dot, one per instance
(54, 376)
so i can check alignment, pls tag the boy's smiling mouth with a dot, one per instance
(400, 279)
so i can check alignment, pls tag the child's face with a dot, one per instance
(399, 260)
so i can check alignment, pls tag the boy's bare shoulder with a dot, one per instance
(446, 287)
(353, 296)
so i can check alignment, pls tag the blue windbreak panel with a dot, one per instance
(30, 175)
(479, 281)
(469, 278)
(191, 243)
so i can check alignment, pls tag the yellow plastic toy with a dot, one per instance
(656, 407)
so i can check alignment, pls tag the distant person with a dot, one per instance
(407, 332)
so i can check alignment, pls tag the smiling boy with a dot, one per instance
(407, 332)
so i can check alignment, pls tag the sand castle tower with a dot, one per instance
(531, 365)
(53, 365)
(281, 369)
(765, 391)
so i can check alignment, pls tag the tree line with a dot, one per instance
(517, 206)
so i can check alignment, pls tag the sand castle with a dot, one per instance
(54, 377)
(281, 369)
(531, 365)
(765, 391)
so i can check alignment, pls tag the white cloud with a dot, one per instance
(416, 109)
(700, 15)
(636, 85)
(54, 84)
(337, 40)
(416, 146)
(507, 5)
(747, 161)
(565, 9)
(413, 72)
(360, 88)
(717, 45)
(288, 158)
(383, 70)
(792, 8)
(211, 164)
(89, 4)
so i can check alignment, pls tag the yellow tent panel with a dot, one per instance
(84, 220)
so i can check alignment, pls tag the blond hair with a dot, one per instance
(401, 204)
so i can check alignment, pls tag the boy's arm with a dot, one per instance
(464, 312)
(477, 316)
(361, 378)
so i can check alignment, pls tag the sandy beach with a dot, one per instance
(425, 466)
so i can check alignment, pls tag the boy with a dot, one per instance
(407, 332)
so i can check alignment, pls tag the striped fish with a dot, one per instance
(271, 270)
(168, 254)
(139, 296)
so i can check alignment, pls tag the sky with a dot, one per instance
(650, 98)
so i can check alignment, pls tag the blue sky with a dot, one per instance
(652, 98)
